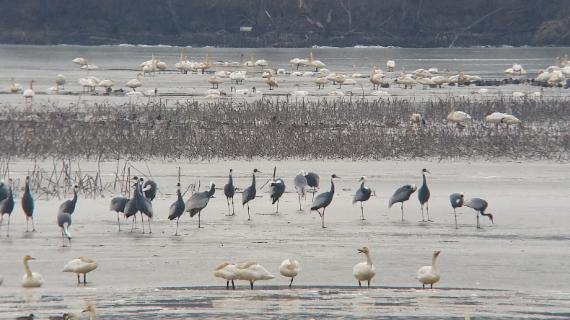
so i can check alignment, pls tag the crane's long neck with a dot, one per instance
(253, 181)
(211, 191)
(424, 179)
(27, 269)
(179, 195)
(74, 200)
(368, 259)
(332, 186)
(230, 180)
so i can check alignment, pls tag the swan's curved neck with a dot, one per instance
(368, 259)
(433, 264)
(27, 269)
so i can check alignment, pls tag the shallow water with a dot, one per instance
(121, 63)
(516, 268)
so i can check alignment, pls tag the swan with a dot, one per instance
(296, 74)
(516, 69)
(80, 265)
(29, 93)
(299, 62)
(321, 81)
(316, 63)
(337, 78)
(249, 63)
(364, 271)
(261, 63)
(252, 271)
(433, 70)
(458, 117)
(422, 73)
(494, 117)
(238, 76)
(375, 79)
(281, 71)
(518, 94)
(390, 65)
(417, 118)
(89, 67)
(91, 309)
(135, 83)
(290, 268)
(223, 74)
(406, 80)
(308, 74)
(271, 82)
(214, 81)
(204, 65)
(227, 271)
(107, 84)
(59, 81)
(509, 119)
(429, 274)
(31, 279)
(425, 82)
(85, 83)
(440, 80)
(80, 61)
(15, 87)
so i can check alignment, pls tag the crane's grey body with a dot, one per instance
(423, 195)
(118, 205)
(456, 200)
(277, 188)
(3, 191)
(301, 186)
(177, 208)
(479, 205)
(402, 195)
(28, 205)
(144, 206)
(249, 194)
(198, 201)
(229, 192)
(323, 200)
(68, 206)
(64, 221)
(150, 188)
(6, 207)
(313, 182)
(131, 205)
(362, 194)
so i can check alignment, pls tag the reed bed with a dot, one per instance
(281, 129)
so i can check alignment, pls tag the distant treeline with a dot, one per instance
(287, 23)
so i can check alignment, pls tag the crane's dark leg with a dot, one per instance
(149, 229)
(229, 211)
(368, 283)
(314, 191)
(251, 284)
(177, 219)
(291, 283)
(359, 284)
(142, 221)
(248, 216)
(323, 219)
(233, 285)
(78, 279)
(455, 214)
(402, 207)
(8, 233)
(478, 225)
(427, 211)
(33, 225)
(27, 224)
(227, 284)
(85, 278)
(133, 224)
(119, 221)
(362, 211)
(199, 225)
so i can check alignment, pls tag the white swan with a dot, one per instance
(290, 268)
(440, 80)
(80, 61)
(238, 76)
(364, 271)
(81, 265)
(321, 81)
(59, 81)
(417, 118)
(390, 65)
(227, 271)
(214, 81)
(107, 84)
(15, 87)
(271, 82)
(406, 80)
(494, 117)
(252, 271)
(29, 93)
(31, 279)
(429, 274)
(316, 63)
(135, 83)
(261, 63)
(458, 117)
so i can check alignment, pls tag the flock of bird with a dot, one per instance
(144, 192)
(321, 76)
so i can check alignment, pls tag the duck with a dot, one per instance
(227, 271)
(290, 268)
(81, 265)
(429, 274)
(252, 271)
(31, 279)
(364, 271)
